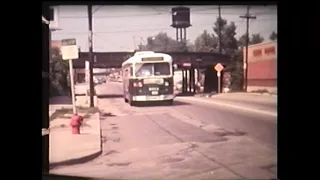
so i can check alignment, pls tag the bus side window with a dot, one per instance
(126, 72)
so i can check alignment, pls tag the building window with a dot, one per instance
(270, 50)
(257, 52)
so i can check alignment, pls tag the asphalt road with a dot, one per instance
(187, 140)
(258, 126)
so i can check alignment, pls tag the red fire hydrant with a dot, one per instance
(75, 123)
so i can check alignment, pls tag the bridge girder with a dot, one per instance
(115, 59)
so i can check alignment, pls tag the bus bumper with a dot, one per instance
(153, 98)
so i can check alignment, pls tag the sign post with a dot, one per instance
(87, 74)
(219, 67)
(70, 51)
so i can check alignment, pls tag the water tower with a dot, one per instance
(181, 21)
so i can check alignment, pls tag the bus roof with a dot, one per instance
(137, 57)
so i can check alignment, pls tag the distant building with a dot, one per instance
(262, 66)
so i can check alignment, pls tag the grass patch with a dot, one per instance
(66, 112)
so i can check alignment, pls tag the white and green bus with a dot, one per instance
(148, 76)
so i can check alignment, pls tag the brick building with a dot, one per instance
(262, 66)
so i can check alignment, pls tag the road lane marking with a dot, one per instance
(275, 114)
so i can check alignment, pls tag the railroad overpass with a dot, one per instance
(186, 61)
(115, 59)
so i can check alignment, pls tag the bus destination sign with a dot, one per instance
(152, 59)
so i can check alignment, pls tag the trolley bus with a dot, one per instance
(148, 76)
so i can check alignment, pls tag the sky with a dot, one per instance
(122, 28)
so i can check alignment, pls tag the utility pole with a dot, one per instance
(219, 23)
(90, 58)
(245, 65)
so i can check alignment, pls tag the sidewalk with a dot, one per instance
(248, 97)
(262, 107)
(68, 149)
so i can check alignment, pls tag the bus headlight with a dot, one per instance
(166, 84)
(139, 84)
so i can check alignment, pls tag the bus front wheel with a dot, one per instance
(126, 100)
(132, 103)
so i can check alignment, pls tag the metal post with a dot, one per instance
(87, 80)
(219, 82)
(72, 87)
(177, 34)
(90, 57)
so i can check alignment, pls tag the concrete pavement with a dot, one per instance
(109, 89)
(66, 148)
(186, 140)
(81, 88)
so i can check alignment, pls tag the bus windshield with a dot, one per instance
(152, 69)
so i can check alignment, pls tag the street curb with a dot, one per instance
(203, 100)
(75, 161)
(262, 94)
(82, 159)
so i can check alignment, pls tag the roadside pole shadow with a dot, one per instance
(102, 96)
(75, 161)
(159, 103)
(107, 114)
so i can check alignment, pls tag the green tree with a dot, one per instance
(58, 73)
(243, 40)
(229, 46)
(229, 43)
(206, 42)
(162, 42)
(273, 36)
(256, 39)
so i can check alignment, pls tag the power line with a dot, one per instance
(122, 16)
(230, 13)
(96, 9)
(157, 14)
(151, 29)
(163, 12)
